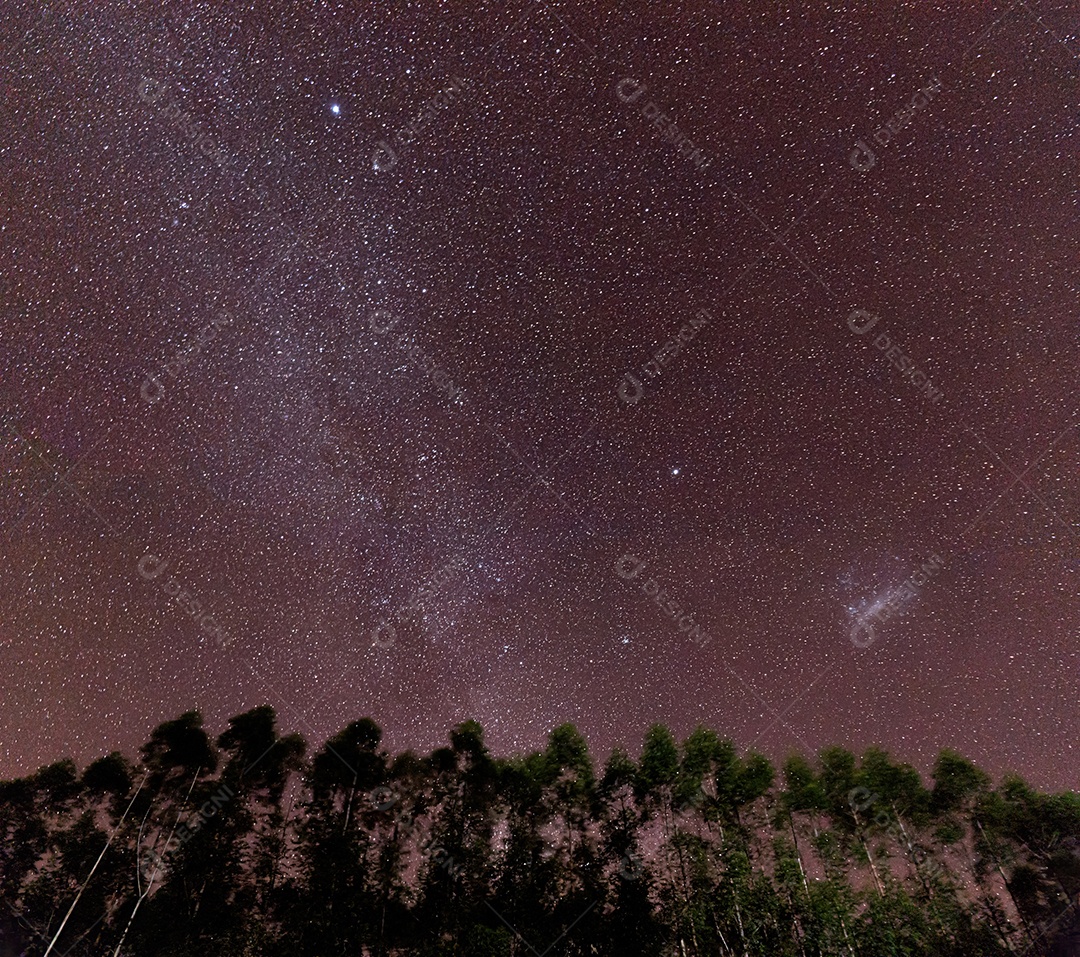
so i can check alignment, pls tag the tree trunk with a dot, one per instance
(1008, 890)
(115, 831)
(348, 806)
(869, 856)
(153, 877)
(798, 855)
(911, 853)
(278, 856)
(847, 940)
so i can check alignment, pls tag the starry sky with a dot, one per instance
(539, 362)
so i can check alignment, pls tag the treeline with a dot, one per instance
(245, 845)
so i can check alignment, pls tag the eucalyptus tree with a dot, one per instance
(54, 865)
(177, 758)
(802, 788)
(227, 849)
(107, 783)
(838, 778)
(394, 813)
(755, 778)
(23, 834)
(176, 752)
(629, 922)
(616, 814)
(527, 876)
(957, 783)
(889, 799)
(338, 909)
(260, 765)
(457, 871)
(657, 774)
(570, 785)
(570, 791)
(110, 789)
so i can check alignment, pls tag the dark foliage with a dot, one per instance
(242, 846)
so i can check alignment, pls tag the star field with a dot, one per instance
(351, 358)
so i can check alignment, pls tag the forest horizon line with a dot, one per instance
(245, 843)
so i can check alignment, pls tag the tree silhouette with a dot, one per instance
(242, 847)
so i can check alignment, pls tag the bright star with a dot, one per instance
(674, 471)
(335, 109)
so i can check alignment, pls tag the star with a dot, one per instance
(444, 395)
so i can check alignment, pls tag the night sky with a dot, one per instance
(538, 362)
